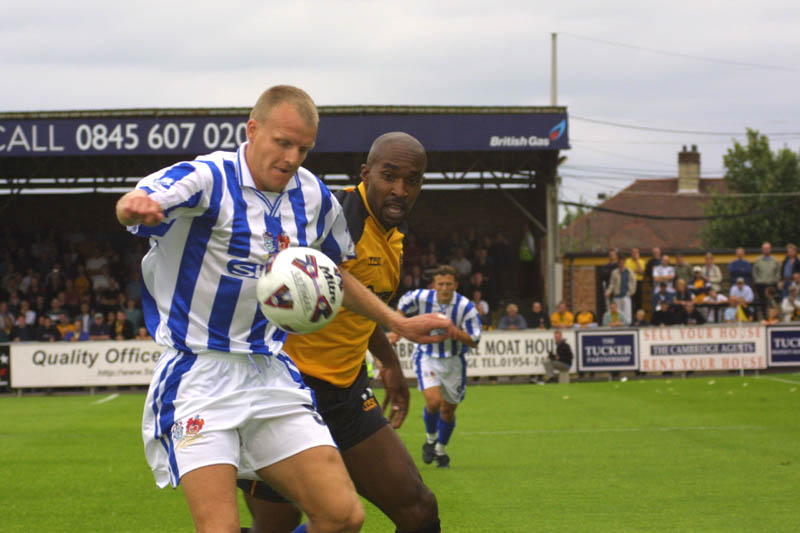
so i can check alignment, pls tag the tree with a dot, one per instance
(754, 169)
(571, 215)
(571, 241)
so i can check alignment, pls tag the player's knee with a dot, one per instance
(434, 405)
(421, 515)
(215, 524)
(341, 517)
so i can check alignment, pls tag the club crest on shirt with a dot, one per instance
(275, 243)
(185, 434)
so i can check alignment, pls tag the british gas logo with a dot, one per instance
(531, 141)
(558, 130)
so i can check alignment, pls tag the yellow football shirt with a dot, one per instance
(336, 352)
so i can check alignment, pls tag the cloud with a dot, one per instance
(95, 55)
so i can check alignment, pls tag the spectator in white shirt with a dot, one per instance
(96, 262)
(482, 306)
(712, 273)
(712, 302)
(663, 273)
(790, 306)
(742, 291)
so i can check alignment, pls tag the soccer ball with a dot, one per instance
(300, 290)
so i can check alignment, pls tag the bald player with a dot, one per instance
(332, 360)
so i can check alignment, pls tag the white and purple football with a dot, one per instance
(300, 290)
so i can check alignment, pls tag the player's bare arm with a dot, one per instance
(136, 207)
(393, 337)
(462, 336)
(392, 376)
(450, 333)
(361, 300)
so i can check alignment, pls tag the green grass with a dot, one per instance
(698, 454)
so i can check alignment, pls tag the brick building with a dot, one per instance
(587, 239)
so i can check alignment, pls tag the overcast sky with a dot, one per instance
(700, 66)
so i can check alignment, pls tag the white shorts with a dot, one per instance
(449, 373)
(223, 408)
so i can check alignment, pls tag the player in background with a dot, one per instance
(332, 359)
(441, 367)
(225, 400)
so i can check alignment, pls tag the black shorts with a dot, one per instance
(351, 413)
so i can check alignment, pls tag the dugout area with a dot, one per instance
(494, 168)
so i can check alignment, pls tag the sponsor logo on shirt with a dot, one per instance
(246, 269)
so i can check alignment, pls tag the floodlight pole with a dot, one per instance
(554, 281)
(553, 69)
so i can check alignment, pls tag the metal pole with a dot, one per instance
(553, 70)
(554, 291)
(553, 266)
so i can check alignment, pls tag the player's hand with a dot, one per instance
(423, 328)
(137, 207)
(397, 396)
(453, 332)
(393, 338)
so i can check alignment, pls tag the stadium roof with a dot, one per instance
(113, 148)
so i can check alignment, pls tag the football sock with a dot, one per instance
(441, 449)
(431, 424)
(445, 430)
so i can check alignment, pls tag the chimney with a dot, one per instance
(689, 170)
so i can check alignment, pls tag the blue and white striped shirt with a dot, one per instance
(207, 254)
(460, 310)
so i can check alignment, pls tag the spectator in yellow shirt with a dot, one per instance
(64, 325)
(639, 267)
(699, 286)
(562, 318)
(585, 319)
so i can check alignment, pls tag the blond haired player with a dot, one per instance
(225, 401)
(332, 360)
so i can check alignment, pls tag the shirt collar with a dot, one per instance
(452, 299)
(362, 190)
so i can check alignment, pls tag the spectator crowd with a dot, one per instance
(482, 262)
(70, 286)
(765, 291)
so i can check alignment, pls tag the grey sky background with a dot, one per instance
(744, 70)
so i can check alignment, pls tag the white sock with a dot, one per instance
(440, 448)
(431, 437)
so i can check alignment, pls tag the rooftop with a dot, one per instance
(597, 230)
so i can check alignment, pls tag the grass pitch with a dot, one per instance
(697, 454)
